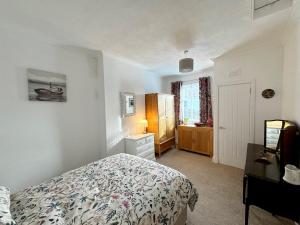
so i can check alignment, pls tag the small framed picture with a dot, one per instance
(128, 104)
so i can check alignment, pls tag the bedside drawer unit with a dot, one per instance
(150, 139)
(141, 145)
(141, 142)
(147, 153)
(144, 147)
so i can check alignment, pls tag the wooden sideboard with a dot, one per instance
(196, 139)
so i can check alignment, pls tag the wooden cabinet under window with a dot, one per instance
(196, 139)
(161, 120)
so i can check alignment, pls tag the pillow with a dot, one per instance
(5, 216)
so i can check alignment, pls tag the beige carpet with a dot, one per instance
(220, 191)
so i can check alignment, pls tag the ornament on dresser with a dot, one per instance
(292, 174)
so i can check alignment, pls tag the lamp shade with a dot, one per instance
(145, 123)
(186, 65)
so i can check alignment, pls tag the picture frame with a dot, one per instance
(46, 86)
(128, 104)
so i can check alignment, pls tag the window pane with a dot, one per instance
(190, 106)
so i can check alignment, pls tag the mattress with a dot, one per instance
(120, 189)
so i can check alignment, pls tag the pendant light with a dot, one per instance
(186, 64)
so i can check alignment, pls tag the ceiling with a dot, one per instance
(152, 33)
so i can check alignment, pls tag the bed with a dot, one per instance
(120, 189)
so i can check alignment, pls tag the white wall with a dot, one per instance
(152, 82)
(263, 64)
(123, 76)
(39, 140)
(167, 80)
(291, 73)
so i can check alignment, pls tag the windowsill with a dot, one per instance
(191, 125)
(187, 125)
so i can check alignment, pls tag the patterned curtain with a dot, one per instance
(205, 100)
(175, 88)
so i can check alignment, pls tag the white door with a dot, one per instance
(234, 123)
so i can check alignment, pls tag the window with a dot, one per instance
(189, 102)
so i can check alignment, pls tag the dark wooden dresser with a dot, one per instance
(263, 187)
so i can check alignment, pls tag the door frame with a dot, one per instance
(216, 150)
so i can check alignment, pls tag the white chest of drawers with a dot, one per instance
(141, 145)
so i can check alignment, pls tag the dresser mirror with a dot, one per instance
(273, 130)
(272, 133)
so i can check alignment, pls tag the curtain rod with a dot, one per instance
(190, 80)
(196, 79)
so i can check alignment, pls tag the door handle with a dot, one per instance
(222, 128)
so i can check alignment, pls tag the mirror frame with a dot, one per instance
(265, 137)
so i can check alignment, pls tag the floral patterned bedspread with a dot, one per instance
(120, 189)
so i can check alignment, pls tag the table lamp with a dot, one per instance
(145, 124)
